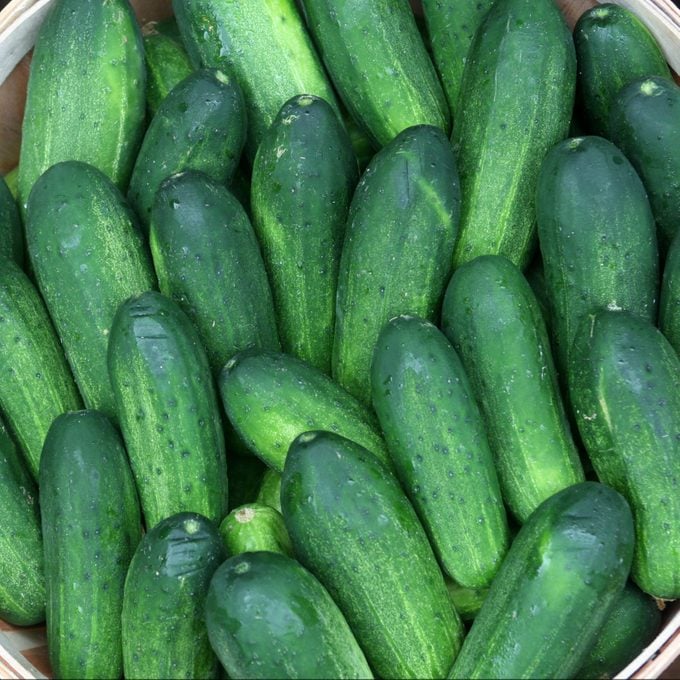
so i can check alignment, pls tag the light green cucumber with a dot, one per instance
(466, 601)
(254, 527)
(270, 490)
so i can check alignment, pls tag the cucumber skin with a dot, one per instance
(201, 126)
(436, 439)
(91, 527)
(518, 393)
(88, 257)
(613, 48)
(669, 302)
(202, 242)
(410, 191)
(74, 57)
(625, 387)
(163, 626)
(268, 617)
(466, 601)
(569, 562)
(36, 384)
(597, 237)
(168, 410)
(254, 527)
(270, 490)
(352, 526)
(12, 243)
(304, 175)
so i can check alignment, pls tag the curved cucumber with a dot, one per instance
(669, 302)
(270, 490)
(255, 527)
(12, 241)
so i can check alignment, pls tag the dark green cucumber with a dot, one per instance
(255, 527)
(436, 439)
(22, 587)
(35, 382)
(264, 44)
(268, 617)
(517, 388)
(669, 300)
(270, 490)
(645, 124)
(466, 601)
(557, 585)
(396, 258)
(379, 65)
(86, 92)
(624, 383)
(201, 125)
(352, 526)
(88, 257)
(12, 239)
(163, 624)
(613, 48)
(515, 103)
(167, 409)
(208, 260)
(271, 398)
(597, 236)
(91, 527)
(303, 178)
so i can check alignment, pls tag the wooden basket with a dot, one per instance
(23, 651)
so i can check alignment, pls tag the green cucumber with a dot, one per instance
(200, 125)
(669, 300)
(268, 617)
(88, 257)
(517, 389)
(12, 181)
(379, 65)
(91, 527)
(624, 383)
(597, 237)
(613, 48)
(86, 92)
(396, 258)
(352, 526)
(565, 569)
(208, 261)
(436, 439)
(167, 409)
(515, 103)
(271, 398)
(303, 178)
(12, 241)
(36, 384)
(163, 624)
(254, 527)
(466, 601)
(270, 490)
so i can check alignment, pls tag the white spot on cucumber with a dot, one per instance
(191, 526)
(280, 151)
(222, 77)
(649, 88)
(305, 100)
(245, 515)
(600, 13)
(307, 437)
(289, 119)
(575, 142)
(242, 568)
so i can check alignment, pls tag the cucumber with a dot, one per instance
(266, 47)
(515, 103)
(436, 439)
(466, 601)
(556, 587)
(645, 124)
(270, 490)
(86, 92)
(208, 261)
(517, 390)
(200, 125)
(12, 180)
(597, 237)
(268, 617)
(669, 302)
(352, 526)
(36, 384)
(396, 258)
(271, 398)
(254, 527)
(625, 388)
(88, 257)
(91, 527)
(12, 241)
(22, 588)
(376, 58)
(613, 48)
(167, 409)
(163, 625)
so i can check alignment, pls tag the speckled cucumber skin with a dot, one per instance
(353, 527)
(436, 439)
(12, 241)
(91, 527)
(88, 256)
(568, 563)
(669, 302)
(270, 490)
(163, 619)
(304, 175)
(396, 258)
(168, 410)
(268, 617)
(254, 527)
(624, 383)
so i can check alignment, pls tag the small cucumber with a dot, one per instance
(270, 490)
(12, 240)
(255, 527)
(466, 601)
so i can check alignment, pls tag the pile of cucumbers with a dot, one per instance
(336, 344)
